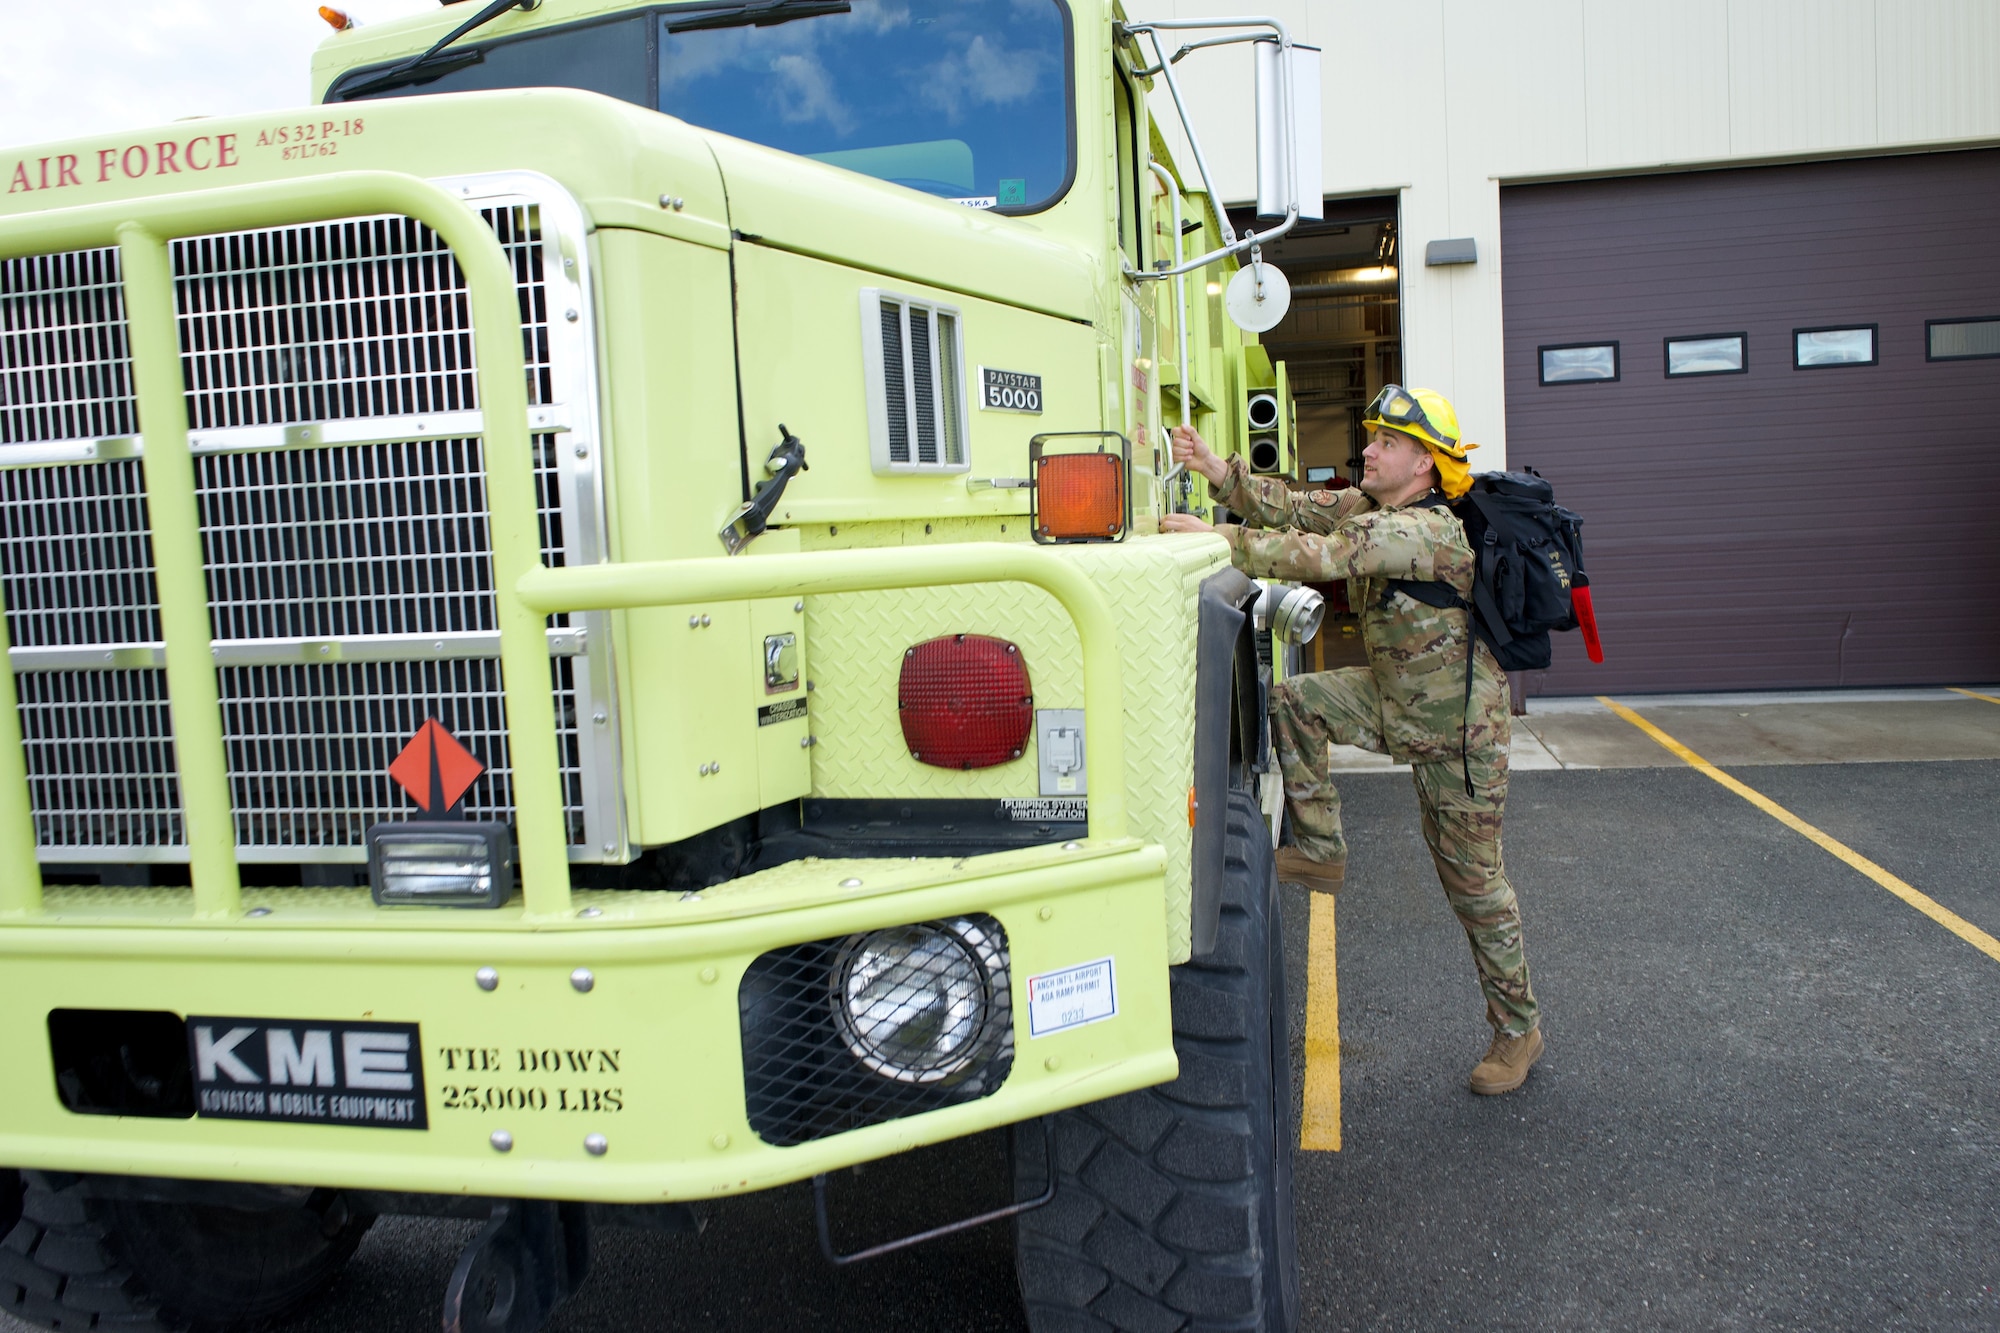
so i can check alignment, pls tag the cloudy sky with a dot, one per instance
(77, 67)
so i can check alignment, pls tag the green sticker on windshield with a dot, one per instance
(1013, 191)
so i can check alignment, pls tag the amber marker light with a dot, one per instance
(336, 17)
(1082, 497)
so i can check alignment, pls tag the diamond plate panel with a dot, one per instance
(1153, 586)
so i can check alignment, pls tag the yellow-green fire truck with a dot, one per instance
(589, 631)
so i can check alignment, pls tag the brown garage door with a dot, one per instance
(1837, 525)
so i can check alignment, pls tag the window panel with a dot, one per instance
(1853, 345)
(1579, 363)
(1708, 354)
(1962, 339)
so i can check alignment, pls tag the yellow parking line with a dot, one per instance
(1929, 906)
(1319, 1122)
(1973, 694)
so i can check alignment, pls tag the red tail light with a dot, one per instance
(965, 701)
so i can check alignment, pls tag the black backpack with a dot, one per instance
(1529, 577)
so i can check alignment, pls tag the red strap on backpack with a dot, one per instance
(1586, 618)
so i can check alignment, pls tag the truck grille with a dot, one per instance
(339, 474)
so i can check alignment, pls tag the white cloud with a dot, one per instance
(78, 67)
(987, 74)
(804, 93)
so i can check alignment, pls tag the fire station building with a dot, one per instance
(1726, 272)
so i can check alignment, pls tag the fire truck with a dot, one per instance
(590, 632)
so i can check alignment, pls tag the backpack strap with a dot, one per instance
(1488, 556)
(1479, 613)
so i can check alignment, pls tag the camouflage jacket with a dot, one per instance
(1416, 652)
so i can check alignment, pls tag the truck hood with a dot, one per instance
(627, 167)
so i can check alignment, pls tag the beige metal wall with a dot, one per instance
(1443, 100)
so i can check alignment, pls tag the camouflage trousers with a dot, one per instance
(1463, 832)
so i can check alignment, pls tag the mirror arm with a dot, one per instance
(1233, 244)
(1248, 241)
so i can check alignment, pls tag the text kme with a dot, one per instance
(303, 1057)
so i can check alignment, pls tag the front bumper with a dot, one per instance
(649, 1057)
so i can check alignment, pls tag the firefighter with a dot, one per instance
(1410, 701)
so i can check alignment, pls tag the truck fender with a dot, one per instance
(1228, 715)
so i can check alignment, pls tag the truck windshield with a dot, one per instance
(967, 100)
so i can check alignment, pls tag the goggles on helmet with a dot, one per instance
(1397, 406)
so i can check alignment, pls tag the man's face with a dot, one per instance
(1392, 465)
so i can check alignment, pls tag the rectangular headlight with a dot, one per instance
(440, 863)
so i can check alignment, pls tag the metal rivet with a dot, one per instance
(596, 1145)
(1072, 847)
(570, 315)
(1046, 913)
(715, 767)
(258, 911)
(582, 451)
(582, 980)
(590, 912)
(720, 1140)
(672, 201)
(1053, 1063)
(502, 1141)
(805, 742)
(439, 645)
(694, 622)
(704, 622)
(600, 717)
(707, 975)
(850, 883)
(799, 605)
(488, 978)
(611, 849)
(568, 262)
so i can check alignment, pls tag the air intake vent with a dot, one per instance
(911, 352)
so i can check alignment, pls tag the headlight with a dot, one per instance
(921, 1003)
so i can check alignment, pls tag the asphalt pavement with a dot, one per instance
(1771, 1098)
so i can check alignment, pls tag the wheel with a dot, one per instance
(75, 1261)
(1173, 1205)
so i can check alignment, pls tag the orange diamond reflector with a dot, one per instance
(1080, 496)
(435, 769)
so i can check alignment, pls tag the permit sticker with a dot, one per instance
(1071, 998)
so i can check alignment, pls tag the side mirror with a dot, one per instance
(1288, 131)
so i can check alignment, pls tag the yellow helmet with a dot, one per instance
(1424, 413)
(1427, 415)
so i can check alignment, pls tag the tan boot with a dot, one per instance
(1507, 1061)
(1295, 867)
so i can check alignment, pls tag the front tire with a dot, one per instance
(75, 1261)
(1173, 1205)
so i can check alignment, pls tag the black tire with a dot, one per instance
(1173, 1205)
(76, 1261)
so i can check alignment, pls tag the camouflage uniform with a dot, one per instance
(1407, 703)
